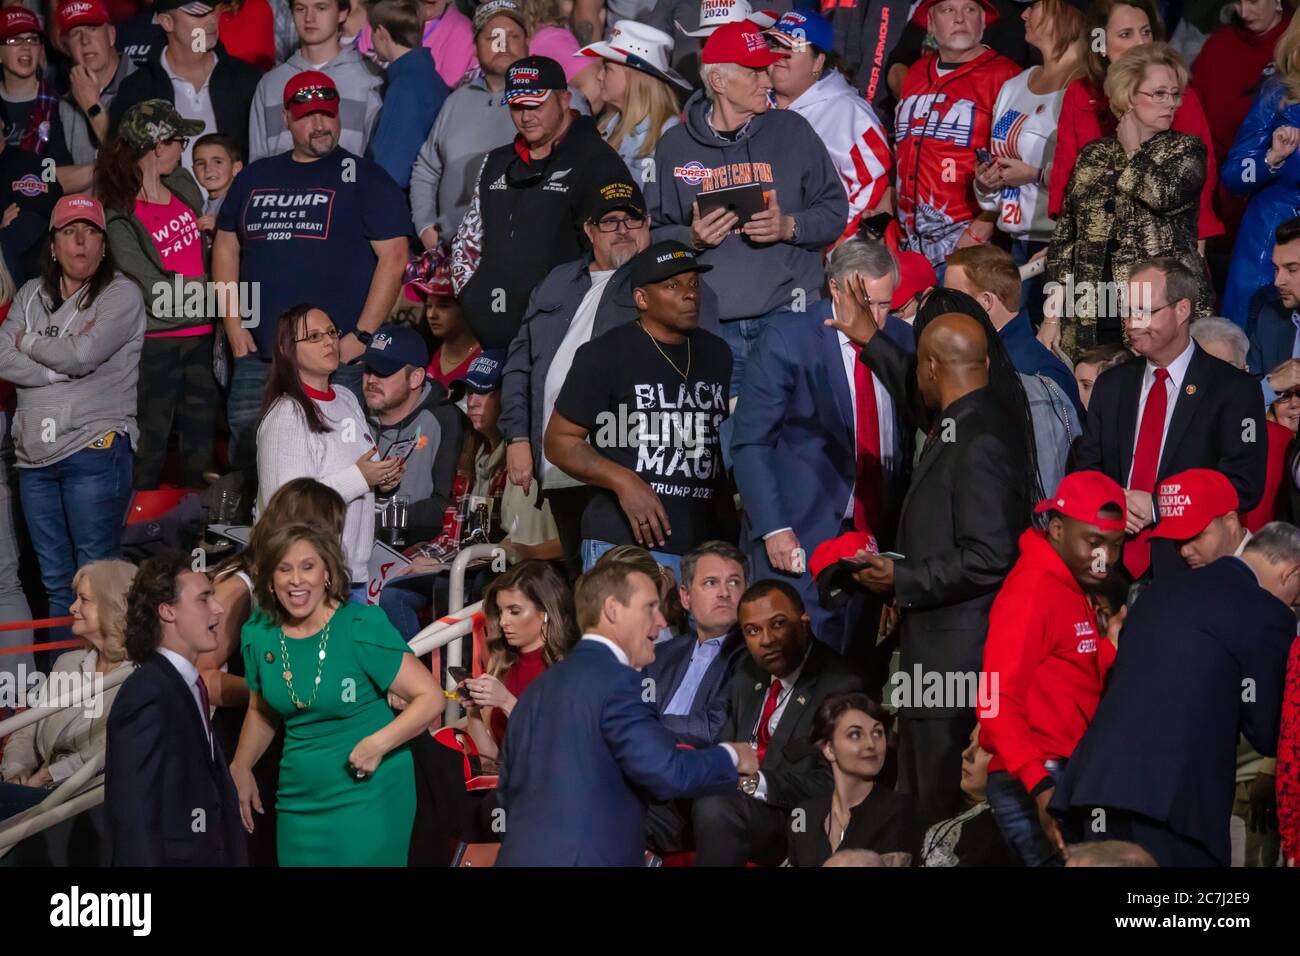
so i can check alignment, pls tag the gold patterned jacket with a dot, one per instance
(1118, 211)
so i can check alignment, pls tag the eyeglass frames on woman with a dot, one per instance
(1163, 97)
(27, 39)
(316, 335)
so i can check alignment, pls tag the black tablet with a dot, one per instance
(745, 201)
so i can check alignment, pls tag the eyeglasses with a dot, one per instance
(1288, 396)
(183, 140)
(630, 223)
(27, 39)
(1133, 314)
(316, 335)
(1163, 97)
(314, 93)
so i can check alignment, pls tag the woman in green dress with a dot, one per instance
(324, 666)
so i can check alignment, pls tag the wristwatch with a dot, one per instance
(363, 336)
(749, 785)
(94, 111)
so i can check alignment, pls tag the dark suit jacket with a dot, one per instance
(583, 752)
(792, 434)
(1210, 429)
(794, 769)
(960, 524)
(701, 727)
(1271, 331)
(159, 774)
(1163, 742)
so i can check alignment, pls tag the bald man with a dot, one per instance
(961, 519)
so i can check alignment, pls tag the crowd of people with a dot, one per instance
(882, 419)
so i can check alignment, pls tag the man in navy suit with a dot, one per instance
(1202, 656)
(804, 471)
(692, 671)
(585, 748)
(1273, 323)
(167, 785)
(1203, 414)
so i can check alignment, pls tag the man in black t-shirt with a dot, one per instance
(651, 395)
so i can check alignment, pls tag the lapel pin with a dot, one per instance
(802, 700)
(1190, 389)
(270, 658)
(760, 686)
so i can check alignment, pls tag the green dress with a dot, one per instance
(324, 815)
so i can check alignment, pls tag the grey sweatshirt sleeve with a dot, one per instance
(668, 220)
(426, 174)
(515, 379)
(826, 208)
(119, 318)
(15, 367)
(258, 148)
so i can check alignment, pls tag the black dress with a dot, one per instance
(886, 822)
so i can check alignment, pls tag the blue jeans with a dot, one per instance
(741, 335)
(243, 405)
(403, 606)
(1031, 290)
(74, 511)
(593, 549)
(1016, 813)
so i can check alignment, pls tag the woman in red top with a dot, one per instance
(1086, 115)
(247, 31)
(429, 279)
(531, 625)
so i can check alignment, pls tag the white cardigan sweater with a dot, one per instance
(288, 449)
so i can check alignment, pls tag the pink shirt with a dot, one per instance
(450, 38)
(560, 45)
(175, 232)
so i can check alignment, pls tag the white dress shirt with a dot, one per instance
(192, 103)
(787, 690)
(190, 674)
(1173, 385)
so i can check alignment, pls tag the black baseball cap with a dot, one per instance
(394, 347)
(662, 261)
(620, 194)
(529, 81)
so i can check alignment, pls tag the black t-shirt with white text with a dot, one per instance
(642, 415)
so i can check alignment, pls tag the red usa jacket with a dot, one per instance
(939, 122)
(1045, 662)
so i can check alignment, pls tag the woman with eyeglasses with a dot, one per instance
(309, 429)
(152, 206)
(1120, 25)
(1132, 196)
(1263, 167)
(28, 107)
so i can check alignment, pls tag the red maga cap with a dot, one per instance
(77, 208)
(1082, 494)
(915, 275)
(80, 13)
(311, 91)
(1190, 500)
(922, 14)
(741, 43)
(15, 21)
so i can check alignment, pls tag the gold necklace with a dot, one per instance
(320, 664)
(685, 375)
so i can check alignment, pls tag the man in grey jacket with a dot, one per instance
(358, 80)
(576, 302)
(472, 122)
(771, 264)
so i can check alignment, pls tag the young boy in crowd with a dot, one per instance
(217, 161)
(415, 91)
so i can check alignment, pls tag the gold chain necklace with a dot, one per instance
(686, 376)
(320, 664)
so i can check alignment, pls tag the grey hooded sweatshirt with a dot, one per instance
(780, 150)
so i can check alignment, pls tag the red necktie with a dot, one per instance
(1146, 462)
(203, 699)
(769, 708)
(869, 480)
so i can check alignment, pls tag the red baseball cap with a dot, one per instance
(15, 21)
(922, 15)
(1190, 500)
(311, 91)
(77, 208)
(741, 43)
(833, 579)
(915, 275)
(80, 13)
(1082, 494)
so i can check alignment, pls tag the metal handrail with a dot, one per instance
(34, 715)
(455, 602)
(64, 802)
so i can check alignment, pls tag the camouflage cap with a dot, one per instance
(155, 121)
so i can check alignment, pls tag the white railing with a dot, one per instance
(80, 692)
(455, 602)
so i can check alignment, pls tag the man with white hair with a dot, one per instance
(766, 255)
(1156, 765)
(945, 113)
(1223, 339)
(811, 416)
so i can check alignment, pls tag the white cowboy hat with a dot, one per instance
(640, 47)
